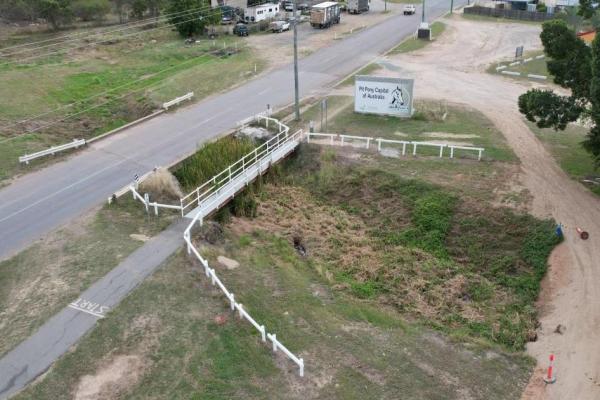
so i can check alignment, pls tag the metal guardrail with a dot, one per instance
(210, 195)
(52, 150)
(187, 96)
(344, 139)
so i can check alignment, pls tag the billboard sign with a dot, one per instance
(385, 96)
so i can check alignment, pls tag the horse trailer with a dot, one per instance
(325, 14)
(358, 6)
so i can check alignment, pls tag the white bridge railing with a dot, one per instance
(341, 140)
(52, 150)
(259, 156)
(213, 193)
(177, 100)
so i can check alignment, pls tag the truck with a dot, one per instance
(325, 14)
(358, 6)
(279, 26)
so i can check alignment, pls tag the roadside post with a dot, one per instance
(296, 95)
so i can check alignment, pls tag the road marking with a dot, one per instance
(89, 307)
(61, 190)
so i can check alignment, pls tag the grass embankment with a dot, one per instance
(451, 260)
(484, 18)
(381, 249)
(388, 256)
(139, 73)
(433, 122)
(413, 44)
(534, 67)
(39, 281)
(566, 148)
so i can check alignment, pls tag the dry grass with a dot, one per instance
(162, 186)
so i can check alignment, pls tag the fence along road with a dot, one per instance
(44, 200)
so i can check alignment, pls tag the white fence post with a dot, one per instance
(414, 148)
(404, 148)
(262, 333)
(146, 200)
(378, 145)
(441, 150)
(368, 141)
(232, 300)
(274, 339)
(301, 367)
(451, 151)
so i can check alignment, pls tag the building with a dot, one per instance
(261, 12)
(587, 37)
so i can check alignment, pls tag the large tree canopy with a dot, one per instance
(575, 66)
(192, 16)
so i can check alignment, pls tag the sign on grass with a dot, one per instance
(381, 95)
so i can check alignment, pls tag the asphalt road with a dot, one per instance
(42, 201)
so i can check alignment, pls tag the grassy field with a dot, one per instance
(39, 281)
(412, 279)
(484, 18)
(359, 308)
(432, 121)
(535, 67)
(413, 44)
(566, 147)
(127, 80)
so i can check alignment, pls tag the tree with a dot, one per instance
(575, 66)
(193, 16)
(91, 10)
(56, 12)
(18, 10)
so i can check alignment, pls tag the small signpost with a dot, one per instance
(519, 52)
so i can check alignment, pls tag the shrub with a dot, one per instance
(161, 185)
(91, 10)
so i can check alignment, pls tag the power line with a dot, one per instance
(89, 44)
(96, 32)
(136, 24)
(108, 101)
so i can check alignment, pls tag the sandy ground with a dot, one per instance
(277, 48)
(453, 68)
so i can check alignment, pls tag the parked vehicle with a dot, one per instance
(279, 26)
(261, 12)
(325, 14)
(241, 30)
(410, 9)
(358, 6)
(288, 6)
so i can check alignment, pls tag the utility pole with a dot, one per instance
(423, 13)
(296, 94)
(451, 6)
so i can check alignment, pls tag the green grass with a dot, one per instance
(413, 44)
(165, 69)
(427, 118)
(428, 237)
(483, 18)
(535, 67)
(41, 280)
(352, 349)
(366, 70)
(566, 148)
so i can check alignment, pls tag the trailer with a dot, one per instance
(358, 6)
(325, 14)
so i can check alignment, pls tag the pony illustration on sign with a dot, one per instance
(383, 95)
(400, 99)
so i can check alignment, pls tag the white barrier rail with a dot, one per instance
(480, 150)
(511, 73)
(404, 143)
(260, 153)
(534, 76)
(52, 150)
(187, 96)
(209, 196)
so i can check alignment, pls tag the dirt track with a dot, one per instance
(453, 68)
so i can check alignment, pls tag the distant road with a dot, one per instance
(42, 201)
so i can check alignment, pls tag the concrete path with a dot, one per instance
(36, 354)
(44, 200)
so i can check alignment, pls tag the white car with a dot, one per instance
(279, 26)
(410, 9)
